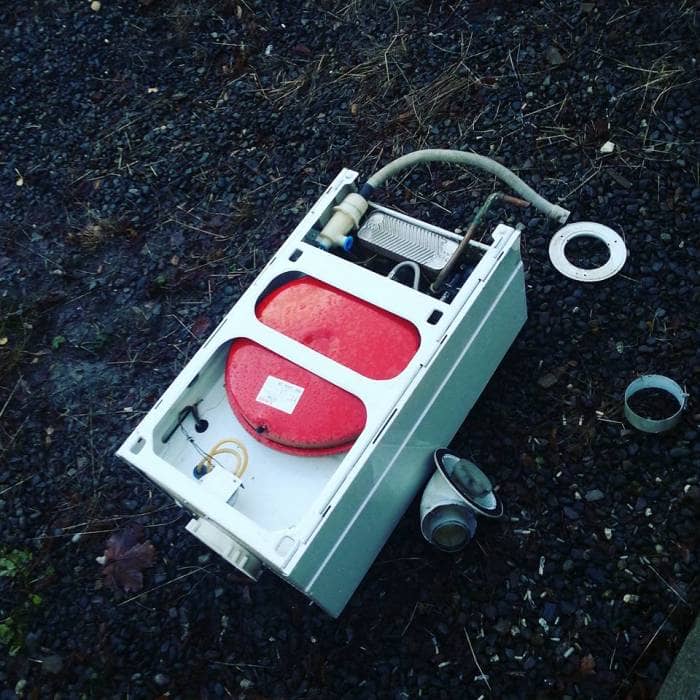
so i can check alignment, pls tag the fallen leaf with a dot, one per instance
(200, 325)
(587, 665)
(126, 555)
(302, 50)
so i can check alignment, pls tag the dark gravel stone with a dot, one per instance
(52, 664)
(679, 452)
(549, 611)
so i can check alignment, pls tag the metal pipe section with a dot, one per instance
(443, 155)
(410, 264)
(464, 243)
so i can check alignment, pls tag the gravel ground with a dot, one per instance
(152, 157)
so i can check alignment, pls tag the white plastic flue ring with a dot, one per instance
(587, 229)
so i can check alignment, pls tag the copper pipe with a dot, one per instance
(464, 243)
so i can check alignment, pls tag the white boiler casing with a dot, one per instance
(319, 522)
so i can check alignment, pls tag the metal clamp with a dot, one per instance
(655, 381)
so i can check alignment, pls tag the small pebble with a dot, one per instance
(547, 380)
(161, 679)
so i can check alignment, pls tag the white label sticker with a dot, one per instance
(284, 396)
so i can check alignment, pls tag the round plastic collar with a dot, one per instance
(587, 229)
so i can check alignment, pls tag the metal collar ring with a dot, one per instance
(655, 381)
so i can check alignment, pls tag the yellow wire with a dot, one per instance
(241, 455)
